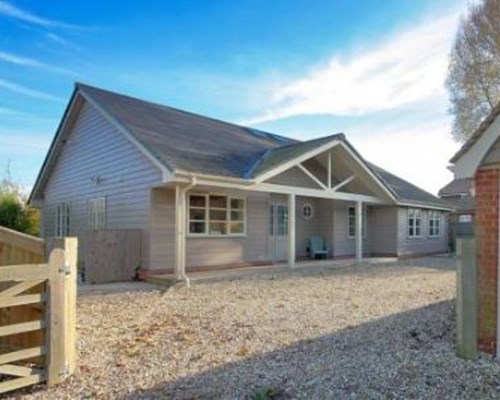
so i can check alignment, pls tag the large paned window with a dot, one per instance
(63, 216)
(434, 224)
(414, 223)
(97, 213)
(216, 215)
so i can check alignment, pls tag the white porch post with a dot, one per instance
(180, 230)
(329, 173)
(291, 230)
(359, 230)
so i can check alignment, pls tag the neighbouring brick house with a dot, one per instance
(479, 158)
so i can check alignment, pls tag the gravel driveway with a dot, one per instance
(384, 331)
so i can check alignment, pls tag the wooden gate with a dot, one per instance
(37, 319)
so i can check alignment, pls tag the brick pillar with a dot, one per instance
(486, 225)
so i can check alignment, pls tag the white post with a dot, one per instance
(359, 231)
(329, 170)
(180, 230)
(291, 230)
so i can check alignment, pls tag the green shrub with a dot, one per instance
(265, 393)
(16, 215)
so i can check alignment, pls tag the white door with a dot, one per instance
(278, 230)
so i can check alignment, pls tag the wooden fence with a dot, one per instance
(18, 248)
(37, 312)
(111, 255)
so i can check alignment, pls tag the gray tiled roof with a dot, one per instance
(186, 141)
(457, 186)
(198, 144)
(461, 204)
(405, 191)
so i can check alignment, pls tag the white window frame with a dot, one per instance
(435, 224)
(97, 213)
(353, 218)
(415, 214)
(465, 218)
(311, 214)
(62, 227)
(207, 221)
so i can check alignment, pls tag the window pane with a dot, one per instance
(237, 215)
(196, 227)
(196, 214)
(237, 204)
(218, 228)
(237, 227)
(218, 201)
(217, 215)
(197, 201)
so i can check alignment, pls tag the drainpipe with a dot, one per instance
(181, 230)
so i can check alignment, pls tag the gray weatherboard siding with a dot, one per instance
(93, 147)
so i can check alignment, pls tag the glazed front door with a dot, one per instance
(278, 230)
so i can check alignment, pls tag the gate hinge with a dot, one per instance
(66, 269)
(65, 372)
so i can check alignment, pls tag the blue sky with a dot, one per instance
(371, 69)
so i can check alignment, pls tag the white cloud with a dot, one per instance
(11, 10)
(58, 39)
(16, 88)
(395, 91)
(29, 62)
(418, 153)
(407, 68)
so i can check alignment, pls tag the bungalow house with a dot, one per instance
(207, 193)
(479, 159)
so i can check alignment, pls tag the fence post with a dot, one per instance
(466, 298)
(56, 321)
(61, 312)
(71, 253)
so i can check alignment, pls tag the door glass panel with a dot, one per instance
(271, 220)
(281, 220)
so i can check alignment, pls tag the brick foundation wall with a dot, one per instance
(487, 186)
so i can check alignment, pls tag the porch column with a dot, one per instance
(291, 230)
(359, 230)
(180, 233)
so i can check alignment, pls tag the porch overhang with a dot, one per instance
(255, 186)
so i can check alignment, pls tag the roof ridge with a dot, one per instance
(247, 129)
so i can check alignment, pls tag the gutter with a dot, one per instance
(183, 191)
